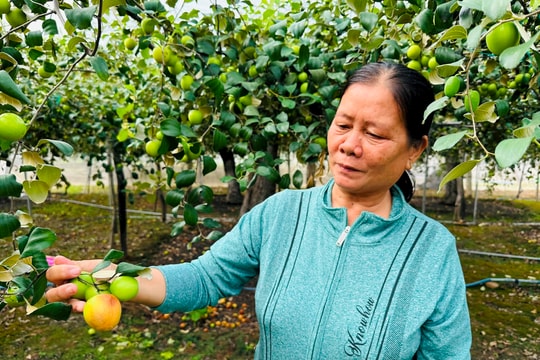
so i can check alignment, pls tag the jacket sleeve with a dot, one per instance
(447, 333)
(220, 272)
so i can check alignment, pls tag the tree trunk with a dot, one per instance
(121, 184)
(234, 196)
(450, 189)
(261, 189)
(459, 205)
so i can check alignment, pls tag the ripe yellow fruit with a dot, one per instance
(102, 312)
(12, 127)
(502, 37)
(414, 51)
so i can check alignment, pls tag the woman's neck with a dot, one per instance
(356, 204)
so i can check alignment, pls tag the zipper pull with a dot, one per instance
(343, 236)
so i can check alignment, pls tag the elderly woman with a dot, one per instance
(345, 270)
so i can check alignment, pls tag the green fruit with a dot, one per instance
(414, 51)
(83, 282)
(44, 73)
(502, 37)
(16, 17)
(303, 76)
(186, 82)
(162, 55)
(124, 288)
(12, 127)
(415, 65)
(214, 60)
(195, 117)
(451, 86)
(188, 41)
(321, 141)
(245, 100)
(5, 6)
(472, 100)
(130, 43)
(91, 291)
(148, 25)
(12, 297)
(152, 147)
(432, 63)
(252, 71)
(304, 87)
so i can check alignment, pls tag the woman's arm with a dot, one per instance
(151, 291)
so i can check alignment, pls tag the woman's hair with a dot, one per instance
(411, 91)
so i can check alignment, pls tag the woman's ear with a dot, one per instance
(416, 150)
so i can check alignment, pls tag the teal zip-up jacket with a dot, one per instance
(378, 289)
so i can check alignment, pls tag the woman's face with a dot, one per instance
(367, 141)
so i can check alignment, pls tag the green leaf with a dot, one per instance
(511, 58)
(510, 151)
(454, 33)
(178, 228)
(448, 141)
(209, 164)
(56, 310)
(268, 172)
(211, 223)
(191, 217)
(298, 28)
(214, 235)
(34, 38)
(128, 269)
(435, 106)
(49, 27)
(39, 239)
(113, 255)
(8, 87)
(63, 146)
(174, 197)
(81, 18)
(8, 224)
(298, 179)
(9, 186)
(185, 178)
(220, 140)
(458, 171)
(357, 5)
(171, 127)
(369, 20)
(49, 174)
(495, 9)
(485, 112)
(36, 190)
(100, 67)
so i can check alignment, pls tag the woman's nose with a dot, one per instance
(351, 145)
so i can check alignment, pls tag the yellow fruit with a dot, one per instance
(502, 37)
(414, 52)
(16, 17)
(12, 127)
(102, 312)
(130, 43)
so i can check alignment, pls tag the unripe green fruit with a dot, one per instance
(130, 43)
(16, 17)
(414, 52)
(474, 102)
(303, 76)
(12, 127)
(195, 117)
(152, 147)
(124, 288)
(451, 86)
(5, 6)
(502, 37)
(186, 82)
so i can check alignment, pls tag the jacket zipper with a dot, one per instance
(343, 236)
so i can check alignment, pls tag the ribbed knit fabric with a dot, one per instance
(388, 289)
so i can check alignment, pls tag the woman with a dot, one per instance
(345, 270)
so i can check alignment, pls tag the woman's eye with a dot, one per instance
(375, 136)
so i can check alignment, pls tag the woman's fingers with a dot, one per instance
(64, 293)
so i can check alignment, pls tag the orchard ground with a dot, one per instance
(505, 315)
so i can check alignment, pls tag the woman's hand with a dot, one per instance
(61, 273)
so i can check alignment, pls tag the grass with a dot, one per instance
(504, 316)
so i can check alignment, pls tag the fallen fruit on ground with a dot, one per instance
(102, 312)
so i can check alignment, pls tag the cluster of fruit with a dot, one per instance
(103, 295)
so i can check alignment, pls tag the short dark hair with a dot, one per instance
(411, 90)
